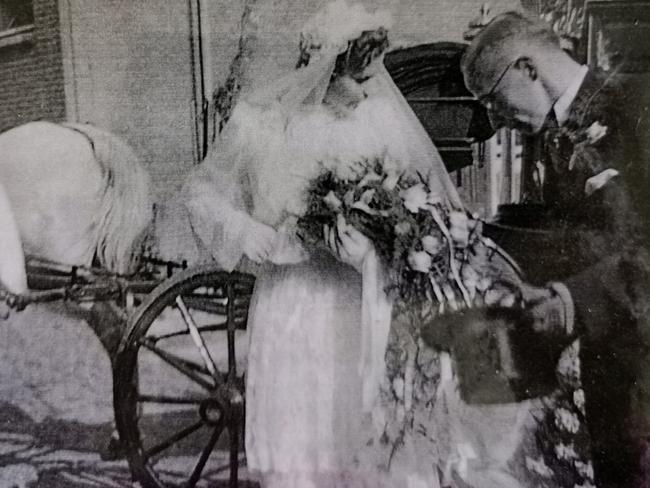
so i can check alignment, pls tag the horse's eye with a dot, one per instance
(362, 79)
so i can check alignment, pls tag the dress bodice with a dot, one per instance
(288, 152)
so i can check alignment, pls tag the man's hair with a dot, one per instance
(505, 38)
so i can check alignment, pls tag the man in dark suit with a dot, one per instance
(594, 186)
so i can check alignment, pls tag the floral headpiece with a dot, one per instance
(339, 23)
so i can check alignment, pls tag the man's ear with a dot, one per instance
(526, 65)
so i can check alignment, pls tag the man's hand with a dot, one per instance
(347, 243)
(550, 308)
(258, 241)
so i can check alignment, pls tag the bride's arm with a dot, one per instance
(218, 202)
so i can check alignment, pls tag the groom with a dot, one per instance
(595, 185)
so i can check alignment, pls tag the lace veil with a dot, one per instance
(323, 38)
(220, 223)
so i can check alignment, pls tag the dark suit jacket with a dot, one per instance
(609, 275)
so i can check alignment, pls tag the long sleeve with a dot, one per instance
(615, 281)
(217, 215)
(217, 196)
(615, 289)
(599, 193)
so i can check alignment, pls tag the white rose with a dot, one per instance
(370, 177)
(579, 399)
(364, 202)
(459, 228)
(484, 284)
(419, 261)
(508, 300)
(470, 276)
(332, 201)
(563, 451)
(402, 228)
(564, 419)
(414, 198)
(367, 196)
(539, 467)
(391, 180)
(585, 469)
(348, 198)
(434, 199)
(431, 244)
(595, 132)
(569, 363)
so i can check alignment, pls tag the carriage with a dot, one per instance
(189, 321)
(75, 210)
(209, 302)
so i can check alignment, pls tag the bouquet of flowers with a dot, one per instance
(435, 256)
(437, 263)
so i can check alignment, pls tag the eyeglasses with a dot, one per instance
(488, 99)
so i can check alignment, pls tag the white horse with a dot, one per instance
(72, 194)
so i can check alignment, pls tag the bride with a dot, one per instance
(319, 322)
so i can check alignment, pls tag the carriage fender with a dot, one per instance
(12, 260)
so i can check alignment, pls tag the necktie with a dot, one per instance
(551, 121)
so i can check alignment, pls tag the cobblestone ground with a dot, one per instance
(62, 454)
(56, 414)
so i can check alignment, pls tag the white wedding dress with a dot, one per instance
(319, 329)
(304, 388)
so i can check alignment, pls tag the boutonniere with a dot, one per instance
(584, 136)
(595, 132)
(583, 140)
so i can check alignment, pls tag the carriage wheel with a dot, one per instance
(178, 396)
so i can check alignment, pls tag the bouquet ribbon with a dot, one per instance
(376, 313)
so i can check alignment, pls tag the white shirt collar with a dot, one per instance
(563, 104)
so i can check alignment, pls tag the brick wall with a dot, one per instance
(31, 73)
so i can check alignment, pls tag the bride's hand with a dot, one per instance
(347, 243)
(258, 241)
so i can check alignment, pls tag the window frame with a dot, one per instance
(20, 34)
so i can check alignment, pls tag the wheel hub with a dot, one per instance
(211, 412)
(227, 405)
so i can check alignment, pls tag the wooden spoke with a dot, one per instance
(233, 432)
(203, 328)
(171, 440)
(205, 454)
(164, 399)
(208, 300)
(198, 340)
(182, 365)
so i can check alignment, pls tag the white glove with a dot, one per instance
(347, 243)
(258, 240)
